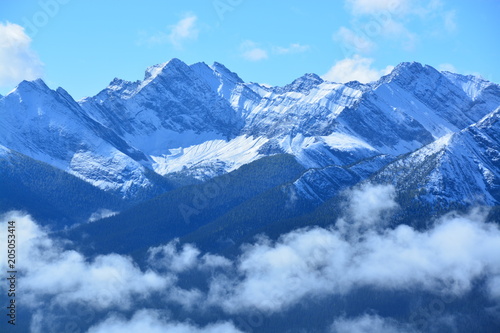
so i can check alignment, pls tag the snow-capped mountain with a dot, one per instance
(462, 167)
(202, 121)
(172, 107)
(324, 123)
(50, 126)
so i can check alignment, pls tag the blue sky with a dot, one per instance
(82, 45)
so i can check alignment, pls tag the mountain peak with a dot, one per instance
(119, 86)
(153, 71)
(129, 88)
(413, 68)
(304, 83)
(117, 82)
(65, 94)
(407, 72)
(173, 65)
(37, 84)
(175, 62)
(491, 120)
(223, 70)
(410, 64)
(472, 85)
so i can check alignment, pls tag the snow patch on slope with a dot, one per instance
(212, 157)
(345, 142)
(472, 85)
(161, 140)
(4, 151)
(113, 171)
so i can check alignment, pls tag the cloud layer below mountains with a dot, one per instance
(268, 276)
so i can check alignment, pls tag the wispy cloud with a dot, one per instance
(251, 51)
(447, 68)
(292, 48)
(168, 256)
(356, 68)
(364, 7)
(17, 60)
(184, 30)
(101, 214)
(389, 19)
(450, 21)
(369, 323)
(352, 42)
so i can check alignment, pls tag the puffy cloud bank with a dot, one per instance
(355, 68)
(269, 276)
(67, 276)
(445, 260)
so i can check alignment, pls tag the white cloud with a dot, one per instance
(367, 208)
(450, 21)
(184, 30)
(167, 256)
(392, 7)
(252, 52)
(367, 324)
(447, 260)
(67, 276)
(101, 214)
(390, 19)
(363, 7)
(17, 60)
(174, 258)
(353, 42)
(152, 321)
(356, 68)
(447, 68)
(397, 31)
(292, 48)
(57, 278)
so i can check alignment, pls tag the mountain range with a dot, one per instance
(195, 197)
(434, 135)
